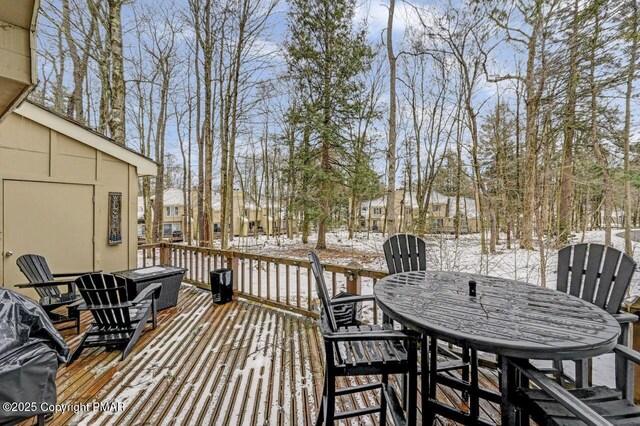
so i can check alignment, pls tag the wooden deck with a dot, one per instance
(239, 363)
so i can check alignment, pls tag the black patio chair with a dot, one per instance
(118, 321)
(46, 284)
(404, 253)
(551, 404)
(363, 350)
(600, 275)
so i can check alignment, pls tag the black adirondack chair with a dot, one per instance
(600, 275)
(118, 321)
(46, 284)
(405, 252)
(551, 404)
(363, 350)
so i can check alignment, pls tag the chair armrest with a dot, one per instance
(560, 394)
(74, 274)
(351, 299)
(627, 353)
(77, 305)
(109, 307)
(625, 317)
(44, 284)
(147, 291)
(370, 335)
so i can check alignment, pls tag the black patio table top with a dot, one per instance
(506, 317)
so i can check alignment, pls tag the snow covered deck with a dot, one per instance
(239, 363)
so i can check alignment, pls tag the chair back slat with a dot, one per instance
(106, 298)
(577, 266)
(564, 261)
(321, 288)
(36, 269)
(623, 278)
(607, 275)
(404, 253)
(594, 264)
(598, 274)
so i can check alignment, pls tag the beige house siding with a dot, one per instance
(53, 180)
(440, 214)
(245, 215)
(17, 52)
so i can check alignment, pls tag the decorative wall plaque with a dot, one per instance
(115, 218)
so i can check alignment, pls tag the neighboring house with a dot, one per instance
(174, 218)
(62, 184)
(440, 213)
(246, 214)
(141, 226)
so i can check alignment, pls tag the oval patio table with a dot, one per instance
(509, 318)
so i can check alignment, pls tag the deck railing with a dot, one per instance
(277, 281)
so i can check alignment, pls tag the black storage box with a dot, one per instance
(222, 285)
(169, 276)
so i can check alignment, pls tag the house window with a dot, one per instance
(409, 210)
(171, 210)
(436, 208)
(170, 228)
(377, 210)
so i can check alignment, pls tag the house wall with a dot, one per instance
(437, 214)
(17, 52)
(31, 152)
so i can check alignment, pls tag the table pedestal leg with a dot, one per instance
(507, 382)
(424, 377)
(474, 397)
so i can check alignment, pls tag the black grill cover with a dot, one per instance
(30, 351)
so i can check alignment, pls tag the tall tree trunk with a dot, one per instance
(117, 115)
(158, 204)
(231, 140)
(390, 218)
(532, 101)
(601, 159)
(565, 207)
(306, 221)
(75, 106)
(631, 73)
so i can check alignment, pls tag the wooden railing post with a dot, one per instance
(354, 282)
(165, 254)
(232, 263)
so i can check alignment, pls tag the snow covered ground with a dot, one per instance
(443, 253)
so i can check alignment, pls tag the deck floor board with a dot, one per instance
(238, 363)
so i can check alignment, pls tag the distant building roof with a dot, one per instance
(467, 205)
(410, 199)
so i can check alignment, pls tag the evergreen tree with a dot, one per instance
(325, 56)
